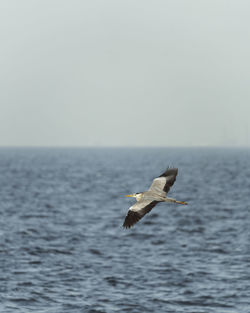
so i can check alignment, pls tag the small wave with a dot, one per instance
(95, 251)
(23, 301)
(38, 251)
(158, 242)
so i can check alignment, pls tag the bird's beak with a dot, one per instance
(129, 196)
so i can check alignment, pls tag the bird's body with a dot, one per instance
(148, 199)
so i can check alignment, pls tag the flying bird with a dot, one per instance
(145, 201)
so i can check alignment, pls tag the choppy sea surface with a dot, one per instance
(63, 248)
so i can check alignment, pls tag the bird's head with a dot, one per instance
(137, 195)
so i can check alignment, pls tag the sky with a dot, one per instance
(125, 73)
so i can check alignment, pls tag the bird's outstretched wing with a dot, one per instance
(164, 181)
(137, 211)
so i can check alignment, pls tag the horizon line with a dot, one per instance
(117, 147)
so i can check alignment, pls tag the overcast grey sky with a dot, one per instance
(124, 72)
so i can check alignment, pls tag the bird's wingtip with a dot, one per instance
(131, 218)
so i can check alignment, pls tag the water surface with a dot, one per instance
(63, 248)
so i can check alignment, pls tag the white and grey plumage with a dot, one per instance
(148, 199)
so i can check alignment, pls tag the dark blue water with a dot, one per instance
(63, 248)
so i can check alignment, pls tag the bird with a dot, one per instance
(145, 201)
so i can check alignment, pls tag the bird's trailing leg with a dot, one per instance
(180, 202)
(175, 201)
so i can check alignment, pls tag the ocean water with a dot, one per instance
(63, 248)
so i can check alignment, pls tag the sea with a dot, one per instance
(63, 247)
